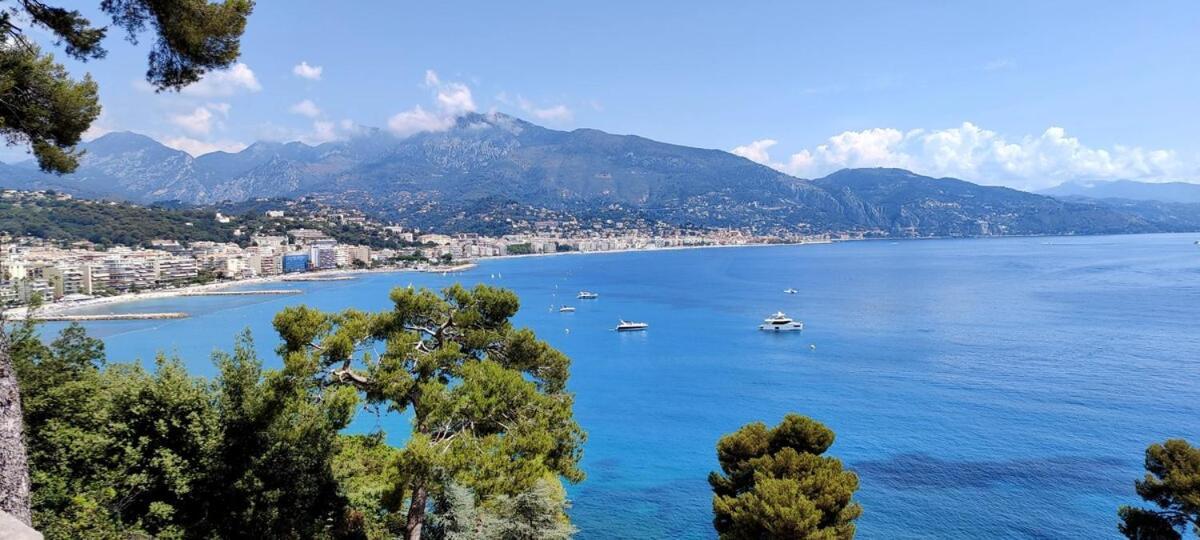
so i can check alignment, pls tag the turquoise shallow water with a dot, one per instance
(980, 388)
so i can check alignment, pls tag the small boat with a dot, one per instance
(780, 323)
(630, 326)
(790, 290)
(566, 309)
(586, 295)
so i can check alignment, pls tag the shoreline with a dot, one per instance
(655, 249)
(54, 309)
(320, 276)
(62, 308)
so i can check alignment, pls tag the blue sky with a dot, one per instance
(1019, 93)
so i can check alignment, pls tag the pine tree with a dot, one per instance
(489, 405)
(775, 483)
(1172, 483)
(40, 105)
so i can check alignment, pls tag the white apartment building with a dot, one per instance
(175, 269)
(67, 279)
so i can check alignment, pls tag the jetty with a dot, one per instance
(47, 317)
(241, 293)
(319, 278)
(449, 269)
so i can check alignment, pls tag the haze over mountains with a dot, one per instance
(1170, 192)
(491, 168)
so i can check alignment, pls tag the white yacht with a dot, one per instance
(586, 295)
(566, 309)
(780, 323)
(629, 326)
(790, 290)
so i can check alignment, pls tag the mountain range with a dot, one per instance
(489, 170)
(1168, 192)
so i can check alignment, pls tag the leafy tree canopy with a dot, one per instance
(775, 483)
(42, 106)
(489, 402)
(537, 514)
(1172, 484)
(117, 452)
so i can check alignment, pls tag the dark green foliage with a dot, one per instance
(536, 514)
(519, 249)
(79, 38)
(1172, 483)
(776, 484)
(41, 106)
(489, 402)
(117, 451)
(366, 469)
(272, 470)
(108, 224)
(193, 36)
(111, 223)
(112, 449)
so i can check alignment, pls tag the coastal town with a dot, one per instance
(68, 272)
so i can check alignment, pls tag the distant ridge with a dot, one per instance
(1170, 192)
(488, 172)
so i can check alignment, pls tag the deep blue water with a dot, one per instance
(980, 388)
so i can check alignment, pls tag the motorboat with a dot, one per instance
(630, 326)
(780, 323)
(790, 290)
(566, 309)
(586, 295)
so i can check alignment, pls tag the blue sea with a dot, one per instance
(993, 388)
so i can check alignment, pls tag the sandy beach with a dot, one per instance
(61, 308)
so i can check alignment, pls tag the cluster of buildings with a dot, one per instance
(473, 246)
(31, 269)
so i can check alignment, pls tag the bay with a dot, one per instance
(980, 388)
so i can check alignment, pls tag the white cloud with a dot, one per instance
(198, 148)
(416, 120)
(455, 99)
(224, 83)
(756, 151)
(554, 113)
(198, 122)
(324, 131)
(976, 154)
(306, 108)
(452, 99)
(321, 131)
(312, 73)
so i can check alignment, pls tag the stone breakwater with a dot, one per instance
(106, 317)
(241, 293)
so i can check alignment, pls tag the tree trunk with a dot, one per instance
(416, 513)
(14, 469)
